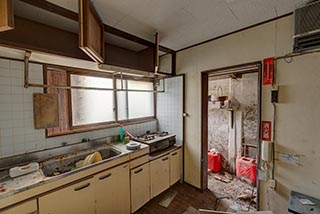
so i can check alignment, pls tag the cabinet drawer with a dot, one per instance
(112, 190)
(76, 198)
(159, 175)
(175, 166)
(140, 186)
(139, 161)
(29, 207)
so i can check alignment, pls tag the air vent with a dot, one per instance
(307, 27)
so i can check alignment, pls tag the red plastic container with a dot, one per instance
(247, 167)
(214, 161)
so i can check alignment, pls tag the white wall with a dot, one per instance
(170, 108)
(17, 135)
(297, 122)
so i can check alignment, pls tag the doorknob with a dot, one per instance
(185, 114)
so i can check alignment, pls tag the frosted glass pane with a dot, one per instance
(122, 101)
(91, 106)
(140, 103)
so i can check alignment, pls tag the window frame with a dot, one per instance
(127, 103)
(91, 125)
(104, 125)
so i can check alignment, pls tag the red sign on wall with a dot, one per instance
(266, 130)
(268, 71)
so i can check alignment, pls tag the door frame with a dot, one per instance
(204, 117)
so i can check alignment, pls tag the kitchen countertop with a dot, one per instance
(9, 186)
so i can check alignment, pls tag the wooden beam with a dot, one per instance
(45, 5)
(6, 15)
(30, 35)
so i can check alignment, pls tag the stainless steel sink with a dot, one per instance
(66, 163)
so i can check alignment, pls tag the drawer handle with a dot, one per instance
(173, 154)
(138, 171)
(164, 159)
(82, 187)
(105, 176)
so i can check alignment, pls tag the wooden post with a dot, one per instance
(6, 15)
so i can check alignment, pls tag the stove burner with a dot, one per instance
(161, 134)
(145, 137)
(151, 135)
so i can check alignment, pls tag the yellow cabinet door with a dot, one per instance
(29, 207)
(112, 191)
(175, 166)
(140, 186)
(77, 198)
(159, 175)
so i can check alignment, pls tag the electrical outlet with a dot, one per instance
(272, 184)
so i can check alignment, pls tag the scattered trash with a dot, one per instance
(222, 179)
(191, 210)
(246, 197)
(230, 190)
(167, 198)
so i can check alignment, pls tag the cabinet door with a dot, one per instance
(140, 186)
(112, 190)
(175, 166)
(91, 35)
(6, 15)
(29, 207)
(77, 198)
(159, 175)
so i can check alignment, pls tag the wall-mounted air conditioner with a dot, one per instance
(307, 27)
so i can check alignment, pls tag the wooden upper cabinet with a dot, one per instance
(6, 15)
(91, 35)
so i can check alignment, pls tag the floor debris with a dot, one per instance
(191, 210)
(232, 193)
(167, 198)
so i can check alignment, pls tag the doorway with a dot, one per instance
(230, 135)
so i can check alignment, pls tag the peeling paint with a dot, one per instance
(245, 91)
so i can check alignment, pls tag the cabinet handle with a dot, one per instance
(173, 154)
(164, 159)
(138, 171)
(82, 187)
(105, 176)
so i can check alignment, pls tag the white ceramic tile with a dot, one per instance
(169, 108)
(4, 63)
(17, 133)
(16, 65)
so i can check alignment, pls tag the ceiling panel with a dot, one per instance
(182, 23)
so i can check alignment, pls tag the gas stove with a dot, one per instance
(157, 141)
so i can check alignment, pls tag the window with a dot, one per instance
(140, 104)
(90, 109)
(91, 106)
(135, 104)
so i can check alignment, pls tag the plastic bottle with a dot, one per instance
(121, 133)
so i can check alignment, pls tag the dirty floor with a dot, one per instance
(187, 200)
(231, 192)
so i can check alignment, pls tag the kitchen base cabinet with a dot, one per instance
(29, 207)
(175, 166)
(159, 175)
(140, 186)
(112, 191)
(74, 199)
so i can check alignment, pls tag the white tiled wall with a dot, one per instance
(17, 133)
(170, 108)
